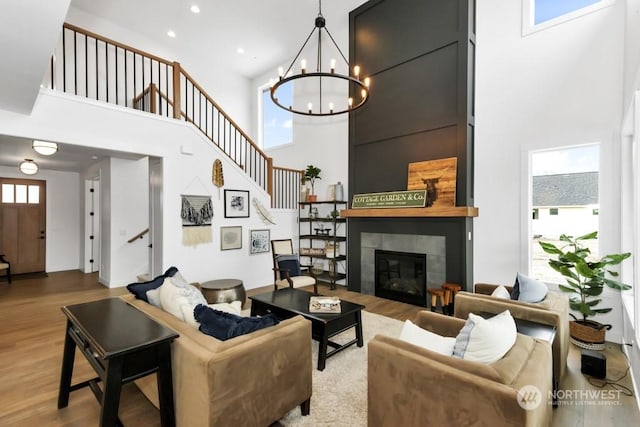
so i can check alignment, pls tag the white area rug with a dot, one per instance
(340, 391)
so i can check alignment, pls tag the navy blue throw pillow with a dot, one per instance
(515, 291)
(223, 325)
(140, 289)
(291, 263)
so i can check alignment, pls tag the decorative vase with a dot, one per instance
(312, 198)
(304, 194)
(331, 192)
(339, 192)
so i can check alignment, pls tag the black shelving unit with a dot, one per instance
(310, 236)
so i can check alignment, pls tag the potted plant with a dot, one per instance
(586, 278)
(311, 174)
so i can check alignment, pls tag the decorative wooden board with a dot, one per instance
(438, 177)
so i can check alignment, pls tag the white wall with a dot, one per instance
(187, 162)
(553, 88)
(63, 234)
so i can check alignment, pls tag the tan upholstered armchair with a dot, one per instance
(412, 386)
(553, 310)
(5, 265)
(286, 267)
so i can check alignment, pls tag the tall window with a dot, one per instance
(564, 193)
(540, 14)
(277, 124)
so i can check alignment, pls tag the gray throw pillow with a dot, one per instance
(531, 290)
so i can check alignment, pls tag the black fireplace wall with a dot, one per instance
(420, 56)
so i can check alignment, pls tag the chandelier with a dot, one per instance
(322, 101)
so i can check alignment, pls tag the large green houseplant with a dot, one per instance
(586, 278)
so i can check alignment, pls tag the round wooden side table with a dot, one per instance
(224, 290)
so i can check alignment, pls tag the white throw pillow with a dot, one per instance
(173, 296)
(486, 340)
(234, 307)
(415, 335)
(531, 290)
(153, 296)
(499, 292)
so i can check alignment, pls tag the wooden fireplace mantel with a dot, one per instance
(449, 212)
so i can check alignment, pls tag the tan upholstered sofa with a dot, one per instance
(411, 386)
(553, 310)
(251, 380)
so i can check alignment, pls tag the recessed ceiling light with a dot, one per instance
(240, 50)
(171, 33)
(195, 8)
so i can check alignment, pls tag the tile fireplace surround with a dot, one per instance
(433, 246)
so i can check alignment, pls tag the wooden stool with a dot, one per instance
(435, 294)
(450, 289)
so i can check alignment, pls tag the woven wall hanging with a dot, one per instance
(196, 214)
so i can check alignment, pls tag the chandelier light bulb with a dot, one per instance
(310, 107)
(280, 72)
(367, 81)
(331, 107)
(303, 66)
(350, 101)
(356, 70)
(333, 65)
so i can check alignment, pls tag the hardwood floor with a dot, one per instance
(32, 336)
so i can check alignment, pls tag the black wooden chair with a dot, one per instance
(5, 265)
(286, 267)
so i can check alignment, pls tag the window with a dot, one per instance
(566, 179)
(541, 14)
(277, 124)
(20, 193)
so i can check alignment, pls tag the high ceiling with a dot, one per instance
(269, 31)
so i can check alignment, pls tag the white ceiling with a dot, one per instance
(269, 31)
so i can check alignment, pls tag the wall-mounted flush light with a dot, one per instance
(44, 147)
(171, 34)
(29, 167)
(195, 8)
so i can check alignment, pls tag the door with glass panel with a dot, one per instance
(23, 224)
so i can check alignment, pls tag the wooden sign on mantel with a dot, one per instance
(438, 177)
(390, 199)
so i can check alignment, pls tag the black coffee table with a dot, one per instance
(289, 302)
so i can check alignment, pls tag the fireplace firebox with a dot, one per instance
(401, 276)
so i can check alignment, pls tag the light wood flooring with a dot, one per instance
(32, 336)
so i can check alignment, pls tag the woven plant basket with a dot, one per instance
(588, 332)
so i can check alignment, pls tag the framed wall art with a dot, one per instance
(230, 238)
(236, 204)
(258, 241)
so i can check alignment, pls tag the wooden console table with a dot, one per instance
(122, 344)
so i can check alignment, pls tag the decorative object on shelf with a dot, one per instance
(29, 167)
(333, 265)
(311, 174)
(312, 251)
(236, 204)
(339, 191)
(263, 212)
(45, 148)
(230, 238)
(313, 213)
(321, 231)
(390, 199)
(326, 102)
(196, 214)
(259, 241)
(323, 304)
(317, 268)
(586, 279)
(438, 177)
(304, 191)
(217, 177)
(331, 249)
(331, 192)
(334, 214)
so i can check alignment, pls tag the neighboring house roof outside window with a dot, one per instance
(572, 189)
